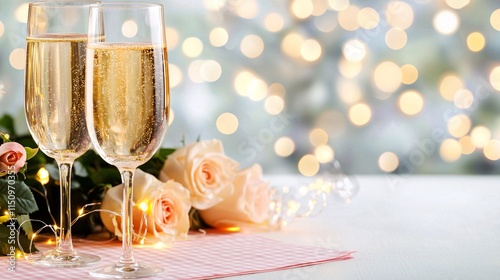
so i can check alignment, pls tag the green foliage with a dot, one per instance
(7, 126)
(16, 194)
(9, 237)
(155, 164)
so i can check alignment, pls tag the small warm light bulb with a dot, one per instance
(55, 227)
(80, 212)
(142, 241)
(33, 236)
(50, 242)
(159, 245)
(43, 176)
(143, 206)
(19, 255)
(6, 213)
(233, 229)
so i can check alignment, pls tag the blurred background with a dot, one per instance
(403, 87)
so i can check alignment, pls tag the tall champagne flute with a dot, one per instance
(54, 103)
(127, 103)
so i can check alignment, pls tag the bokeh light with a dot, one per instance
(467, 145)
(491, 149)
(210, 70)
(388, 162)
(17, 58)
(354, 50)
(310, 50)
(400, 14)
(476, 41)
(2, 29)
(495, 78)
(274, 22)
(480, 136)
(457, 4)
(396, 38)
(192, 47)
(218, 37)
(349, 91)
(348, 18)
(409, 74)
(387, 76)
(274, 105)
(368, 18)
(495, 19)
(172, 38)
(21, 13)
(175, 75)
(360, 114)
(459, 125)
(292, 44)
(247, 9)
(308, 165)
(129, 28)
(252, 46)
(338, 5)
(284, 147)
(227, 123)
(411, 102)
(449, 85)
(324, 153)
(302, 8)
(463, 99)
(450, 150)
(446, 22)
(318, 137)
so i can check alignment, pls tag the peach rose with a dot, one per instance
(249, 204)
(204, 170)
(160, 209)
(12, 157)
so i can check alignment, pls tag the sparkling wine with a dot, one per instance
(55, 94)
(128, 115)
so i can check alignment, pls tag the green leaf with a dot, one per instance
(7, 242)
(163, 153)
(23, 197)
(4, 218)
(24, 221)
(7, 126)
(80, 169)
(30, 152)
(53, 171)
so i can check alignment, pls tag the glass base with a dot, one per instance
(127, 272)
(58, 259)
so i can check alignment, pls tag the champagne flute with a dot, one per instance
(127, 103)
(54, 103)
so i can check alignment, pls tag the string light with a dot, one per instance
(309, 200)
(143, 206)
(43, 176)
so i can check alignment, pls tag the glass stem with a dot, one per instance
(65, 244)
(127, 259)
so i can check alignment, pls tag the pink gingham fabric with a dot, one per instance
(207, 256)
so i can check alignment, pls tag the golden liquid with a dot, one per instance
(55, 94)
(128, 101)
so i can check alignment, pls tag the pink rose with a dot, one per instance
(204, 170)
(12, 157)
(249, 204)
(160, 209)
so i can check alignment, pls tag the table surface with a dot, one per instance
(405, 227)
(402, 227)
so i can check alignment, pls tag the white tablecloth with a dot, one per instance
(405, 227)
